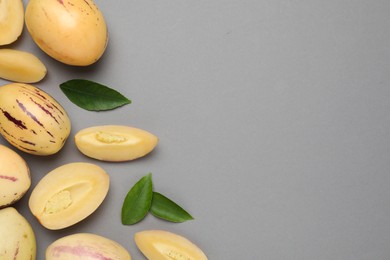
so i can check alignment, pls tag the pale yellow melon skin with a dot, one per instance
(83, 246)
(69, 194)
(17, 239)
(21, 66)
(115, 143)
(31, 120)
(15, 177)
(73, 31)
(164, 245)
(11, 20)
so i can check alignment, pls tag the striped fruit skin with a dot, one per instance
(31, 120)
(17, 238)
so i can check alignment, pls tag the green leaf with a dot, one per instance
(138, 201)
(166, 209)
(92, 96)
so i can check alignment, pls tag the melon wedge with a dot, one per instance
(21, 66)
(68, 194)
(164, 245)
(11, 20)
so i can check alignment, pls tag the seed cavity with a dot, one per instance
(174, 255)
(58, 202)
(110, 138)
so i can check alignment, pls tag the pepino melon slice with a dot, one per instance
(21, 66)
(164, 245)
(11, 20)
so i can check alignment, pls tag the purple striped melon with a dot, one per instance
(31, 120)
(81, 246)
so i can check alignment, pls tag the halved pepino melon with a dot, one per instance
(11, 20)
(21, 66)
(68, 194)
(164, 245)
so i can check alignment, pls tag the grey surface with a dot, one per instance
(273, 119)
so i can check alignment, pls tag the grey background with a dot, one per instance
(273, 119)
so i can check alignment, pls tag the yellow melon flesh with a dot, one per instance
(21, 66)
(68, 194)
(164, 245)
(115, 143)
(11, 20)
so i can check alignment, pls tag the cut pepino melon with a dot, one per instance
(11, 20)
(21, 66)
(68, 194)
(164, 245)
